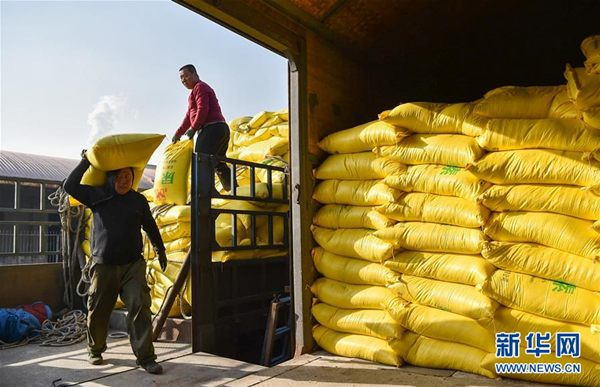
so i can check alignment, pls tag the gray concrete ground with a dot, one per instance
(32, 365)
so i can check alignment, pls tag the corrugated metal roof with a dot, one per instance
(45, 168)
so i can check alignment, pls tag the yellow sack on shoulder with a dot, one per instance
(170, 183)
(444, 149)
(551, 133)
(357, 166)
(583, 88)
(342, 216)
(352, 271)
(423, 351)
(440, 180)
(358, 346)
(561, 199)
(362, 138)
(433, 237)
(561, 232)
(355, 243)
(591, 49)
(355, 192)
(544, 262)
(443, 325)
(552, 299)
(464, 269)
(436, 209)
(537, 167)
(456, 298)
(373, 323)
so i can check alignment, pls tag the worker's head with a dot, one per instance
(189, 77)
(121, 180)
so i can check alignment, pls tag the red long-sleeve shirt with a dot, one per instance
(203, 108)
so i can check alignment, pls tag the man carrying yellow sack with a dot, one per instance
(204, 116)
(118, 268)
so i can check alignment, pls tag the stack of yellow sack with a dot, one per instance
(542, 160)
(439, 232)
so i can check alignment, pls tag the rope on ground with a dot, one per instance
(118, 335)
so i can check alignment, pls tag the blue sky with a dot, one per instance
(74, 70)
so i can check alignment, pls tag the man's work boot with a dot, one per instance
(152, 367)
(94, 359)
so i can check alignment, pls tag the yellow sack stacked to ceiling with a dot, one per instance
(553, 299)
(513, 320)
(436, 209)
(589, 375)
(591, 49)
(562, 199)
(551, 133)
(544, 262)
(526, 102)
(352, 271)
(358, 346)
(537, 167)
(357, 193)
(357, 166)
(423, 351)
(561, 232)
(355, 243)
(443, 325)
(362, 138)
(170, 183)
(341, 216)
(433, 237)
(464, 269)
(374, 323)
(347, 296)
(444, 149)
(456, 298)
(439, 179)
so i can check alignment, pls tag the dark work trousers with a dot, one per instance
(214, 139)
(129, 281)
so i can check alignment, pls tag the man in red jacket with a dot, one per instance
(204, 116)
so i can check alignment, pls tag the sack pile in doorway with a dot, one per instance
(446, 224)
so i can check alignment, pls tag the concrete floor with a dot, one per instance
(34, 366)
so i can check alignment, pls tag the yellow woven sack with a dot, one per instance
(357, 166)
(86, 247)
(464, 269)
(159, 286)
(181, 244)
(272, 121)
(352, 271)
(174, 214)
(342, 216)
(583, 88)
(356, 243)
(226, 256)
(225, 219)
(257, 152)
(565, 199)
(362, 138)
(561, 232)
(374, 323)
(170, 183)
(440, 180)
(423, 351)
(551, 133)
(149, 194)
(259, 119)
(591, 117)
(175, 231)
(456, 298)
(236, 122)
(513, 320)
(262, 232)
(433, 237)
(436, 209)
(241, 139)
(276, 176)
(357, 193)
(562, 107)
(589, 376)
(281, 130)
(261, 190)
(347, 296)
(358, 346)
(553, 299)
(591, 49)
(444, 149)
(442, 325)
(520, 102)
(537, 167)
(544, 262)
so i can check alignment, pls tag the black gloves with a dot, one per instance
(190, 133)
(162, 260)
